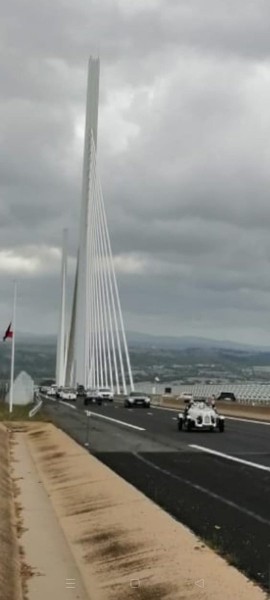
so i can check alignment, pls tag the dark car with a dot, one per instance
(227, 396)
(80, 390)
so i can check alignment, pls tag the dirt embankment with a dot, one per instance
(10, 563)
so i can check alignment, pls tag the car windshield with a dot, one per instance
(104, 389)
(137, 394)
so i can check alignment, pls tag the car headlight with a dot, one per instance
(131, 400)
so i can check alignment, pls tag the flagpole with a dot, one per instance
(13, 349)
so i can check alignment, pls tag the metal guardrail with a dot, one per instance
(158, 399)
(34, 410)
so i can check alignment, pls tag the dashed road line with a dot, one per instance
(68, 404)
(94, 414)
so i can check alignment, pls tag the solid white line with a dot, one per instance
(94, 414)
(67, 404)
(248, 420)
(204, 490)
(229, 457)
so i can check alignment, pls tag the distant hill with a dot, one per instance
(185, 342)
(147, 340)
(36, 354)
(32, 338)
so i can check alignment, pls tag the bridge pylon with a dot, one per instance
(97, 353)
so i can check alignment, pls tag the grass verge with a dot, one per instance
(20, 413)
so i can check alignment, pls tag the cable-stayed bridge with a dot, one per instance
(94, 351)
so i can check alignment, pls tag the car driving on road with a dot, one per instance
(200, 415)
(68, 394)
(106, 393)
(92, 395)
(80, 390)
(52, 390)
(137, 399)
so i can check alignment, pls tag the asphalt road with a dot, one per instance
(224, 498)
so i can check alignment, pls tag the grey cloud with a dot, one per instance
(187, 192)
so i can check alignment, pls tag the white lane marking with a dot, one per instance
(67, 404)
(204, 490)
(230, 457)
(248, 420)
(150, 414)
(117, 421)
(174, 419)
(227, 418)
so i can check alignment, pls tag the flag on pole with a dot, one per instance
(9, 333)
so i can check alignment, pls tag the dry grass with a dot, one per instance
(10, 586)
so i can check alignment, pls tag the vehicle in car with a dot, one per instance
(45, 385)
(81, 390)
(185, 396)
(106, 393)
(44, 389)
(227, 396)
(59, 390)
(199, 414)
(137, 399)
(68, 394)
(52, 390)
(92, 395)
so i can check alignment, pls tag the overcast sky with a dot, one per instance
(184, 158)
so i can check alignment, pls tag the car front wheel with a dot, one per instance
(221, 426)
(180, 424)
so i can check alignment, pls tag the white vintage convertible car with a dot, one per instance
(200, 415)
